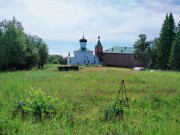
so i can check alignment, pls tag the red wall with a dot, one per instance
(118, 60)
(98, 52)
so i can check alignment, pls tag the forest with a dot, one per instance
(164, 51)
(19, 50)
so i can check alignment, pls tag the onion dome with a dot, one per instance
(99, 42)
(83, 39)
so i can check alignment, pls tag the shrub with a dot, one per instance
(114, 111)
(20, 109)
(55, 61)
(37, 104)
(42, 105)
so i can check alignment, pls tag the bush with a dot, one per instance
(36, 104)
(42, 105)
(114, 111)
(20, 109)
(55, 61)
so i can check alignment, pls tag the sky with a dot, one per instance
(61, 23)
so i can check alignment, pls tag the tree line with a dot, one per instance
(164, 51)
(57, 59)
(19, 50)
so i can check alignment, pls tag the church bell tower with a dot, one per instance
(99, 49)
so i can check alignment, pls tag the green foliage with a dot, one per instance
(142, 51)
(162, 52)
(165, 42)
(175, 52)
(8, 126)
(36, 104)
(12, 45)
(31, 52)
(42, 55)
(20, 109)
(114, 111)
(154, 45)
(57, 59)
(19, 50)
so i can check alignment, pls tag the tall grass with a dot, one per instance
(154, 101)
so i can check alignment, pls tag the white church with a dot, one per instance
(83, 56)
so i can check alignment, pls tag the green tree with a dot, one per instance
(142, 51)
(42, 55)
(19, 50)
(57, 59)
(154, 45)
(31, 52)
(12, 46)
(40, 50)
(165, 42)
(174, 60)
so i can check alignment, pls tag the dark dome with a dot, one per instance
(99, 42)
(83, 39)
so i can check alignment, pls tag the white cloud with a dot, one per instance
(114, 20)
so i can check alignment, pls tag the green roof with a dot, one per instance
(119, 49)
(83, 49)
(99, 43)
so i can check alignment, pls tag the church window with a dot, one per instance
(84, 61)
(70, 61)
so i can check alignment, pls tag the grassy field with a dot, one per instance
(84, 95)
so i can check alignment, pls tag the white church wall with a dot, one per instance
(83, 58)
(71, 61)
(96, 61)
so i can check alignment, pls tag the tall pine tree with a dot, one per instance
(165, 42)
(174, 60)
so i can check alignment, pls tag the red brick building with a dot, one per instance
(116, 56)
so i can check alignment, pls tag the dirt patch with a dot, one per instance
(95, 68)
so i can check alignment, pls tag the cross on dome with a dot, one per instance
(83, 39)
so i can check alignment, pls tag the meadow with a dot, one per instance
(80, 98)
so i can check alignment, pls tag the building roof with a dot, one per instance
(83, 39)
(119, 49)
(99, 42)
(83, 49)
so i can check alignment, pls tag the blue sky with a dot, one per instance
(61, 23)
